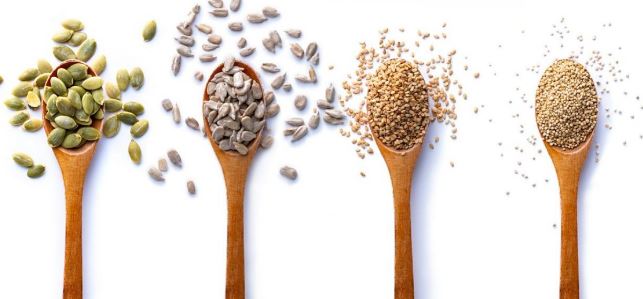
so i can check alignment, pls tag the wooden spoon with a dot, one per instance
(235, 170)
(73, 165)
(401, 165)
(568, 165)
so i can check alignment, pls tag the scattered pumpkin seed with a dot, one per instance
(86, 50)
(149, 31)
(19, 118)
(136, 78)
(113, 105)
(73, 24)
(127, 117)
(36, 171)
(139, 128)
(22, 89)
(15, 104)
(122, 79)
(23, 160)
(77, 38)
(33, 100)
(111, 126)
(134, 151)
(29, 74)
(134, 107)
(62, 36)
(112, 90)
(56, 137)
(99, 65)
(63, 53)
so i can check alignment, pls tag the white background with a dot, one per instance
(330, 233)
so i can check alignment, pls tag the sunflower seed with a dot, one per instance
(312, 74)
(333, 121)
(219, 12)
(236, 26)
(295, 121)
(270, 67)
(184, 51)
(300, 102)
(198, 75)
(313, 122)
(267, 141)
(185, 40)
(228, 64)
(176, 64)
(235, 4)
(278, 81)
(294, 33)
(323, 104)
(192, 123)
(239, 147)
(288, 172)
(191, 187)
(272, 110)
(247, 52)
(334, 113)
(270, 12)
(311, 49)
(299, 133)
(315, 59)
(204, 28)
(216, 3)
(149, 31)
(209, 47)
(242, 43)
(296, 50)
(276, 38)
(156, 174)
(268, 97)
(268, 44)
(162, 165)
(215, 39)
(175, 158)
(330, 93)
(207, 58)
(256, 18)
(23, 160)
(176, 113)
(185, 30)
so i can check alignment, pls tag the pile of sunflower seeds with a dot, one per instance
(236, 109)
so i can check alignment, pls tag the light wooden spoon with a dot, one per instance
(235, 170)
(401, 165)
(73, 165)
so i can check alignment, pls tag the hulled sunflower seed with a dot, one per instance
(192, 123)
(313, 121)
(272, 110)
(207, 58)
(184, 51)
(156, 174)
(299, 133)
(149, 31)
(235, 4)
(270, 12)
(176, 64)
(270, 67)
(323, 104)
(215, 39)
(331, 120)
(334, 113)
(300, 102)
(198, 75)
(191, 187)
(242, 43)
(315, 59)
(278, 81)
(267, 141)
(311, 49)
(294, 33)
(219, 12)
(204, 28)
(176, 113)
(175, 158)
(216, 3)
(295, 121)
(268, 97)
(330, 93)
(255, 18)
(268, 44)
(185, 40)
(288, 172)
(185, 30)
(208, 47)
(276, 38)
(312, 74)
(167, 104)
(297, 50)
(247, 52)
(162, 165)
(236, 26)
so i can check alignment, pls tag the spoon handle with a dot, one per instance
(569, 241)
(401, 181)
(73, 279)
(235, 267)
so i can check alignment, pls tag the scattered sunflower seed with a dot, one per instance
(278, 81)
(175, 158)
(294, 33)
(208, 47)
(185, 40)
(267, 141)
(269, 44)
(162, 165)
(288, 172)
(184, 51)
(191, 187)
(247, 52)
(270, 12)
(299, 133)
(276, 38)
(270, 67)
(295, 121)
(156, 174)
(167, 104)
(311, 50)
(176, 64)
(219, 12)
(235, 4)
(297, 50)
(198, 75)
(176, 113)
(192, 123)
(256, 18)
(204, 28)
(300, 102)
(242, 43)
(207, 58)
(236, 26)
(313, 122)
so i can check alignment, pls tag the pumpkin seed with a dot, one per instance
(73, 24)
(23, 160)
(63, 53)
(62, 36)
(297, 50)
(92, 83)
(99, 65)
(36, 171)
(135, 108)
(111, 126)
(41, 80)
(294, 33)
(22, 89)
(288, 172)
(58, 86)
(33, 100)
(127, 117)
(136, 78)
(65, 76)
(134, 151)
(29, 74)
(176, 64)
(175, 158)
(270, 12)
(256, 18)
(65, 122)
(64, 106)
(72, 141)
(15, 104)
(78, 71)
(236, 26)
(122, 79)
(155, 174)
(19, 118)
(112, 90)
(190, 184)
(113, 105)
(77, 38)
(98, 96)
(1, 79)
(86, 50)
(149, 31)
(56, 137)
(139, 128)
(89, 133)
(44, 66)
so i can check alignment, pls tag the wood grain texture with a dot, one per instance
(401, 166)
(73, 165)
(235, 170)
(568, 165)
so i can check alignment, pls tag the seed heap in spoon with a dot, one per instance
(566, 104)
(398, 104)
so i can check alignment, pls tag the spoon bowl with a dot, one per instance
(235, 170)
(74, 164)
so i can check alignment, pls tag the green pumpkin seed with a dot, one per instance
(111, 126)
(65, 107)
(127, 117)
(19, 118)
(134, 151)
(15, 104)
(122, 79)
(136, 78)
(86, 49)
(51, 104)
(65, 122)
(112, 90)
(65, 76)
(75, 98)
(41, 80)
(112, 105)
(88, 103)
(82, 118)
(72, 141)
(62, 36)
(139, 128)
(149, 31)
(89, 133)
(29, 74)
(99, 64)
(36, 171)
(22, 89)
(1, 79)
(48, 92)
(99, 114)
(77, 38)
(33, 100)
(32, 125)
(44, 66)
(73, 24)
(98, 96)
(134, 107)
(92, 83)
(63, 53)
(79, 90)
(58, 86)
(22, 159)
(78, 71)
(56, 137)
